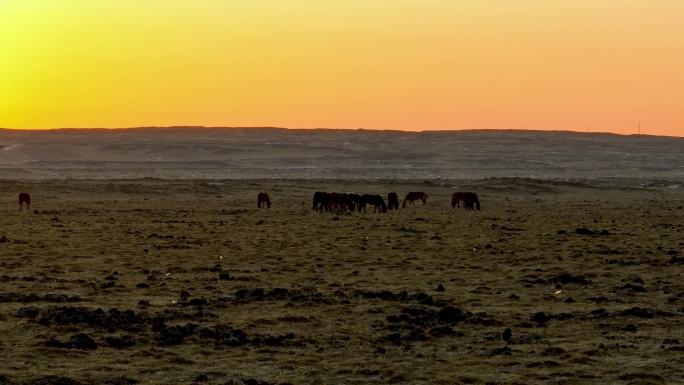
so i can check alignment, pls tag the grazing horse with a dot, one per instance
(24, 198)
(375, 200)
(393, 201)
(414, 196)
(263, 200)
(323, 201)
(319, 200)
(355, 201)
(469, 199)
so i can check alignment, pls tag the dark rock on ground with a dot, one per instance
(28, 312)
(632, 288)
(281, 294)
(540, 318)
(53, 380)
(224, 335)
(119, 342)
(586, 231)
(451, 314)
(197, 302)
(417, 319)
(402, 296)
(77, 341)
(217, 268)
(637, 312)
(50, 297)
(113, 319)
(120, 381)
(507, 334)
(174, 335)
(566, 278)
(583, 231)
(677, 261)
(251, 381)
(441, 330)
(505, 351)
(634, 279)
(641, 377)
(82, 341)
(630, 328)
(143, 303)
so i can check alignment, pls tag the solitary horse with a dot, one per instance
(469, 199)
(24, 198)
(393, 201)
(414, 196)
(263, 200)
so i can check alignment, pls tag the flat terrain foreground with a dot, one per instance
(196, 285)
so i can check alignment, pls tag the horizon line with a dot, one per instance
(52, 129)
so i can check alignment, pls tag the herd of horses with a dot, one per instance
(332, 201)
(324, 201)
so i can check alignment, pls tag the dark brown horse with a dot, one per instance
(323, 201)
(24, 198)
(263, 200)
(319, 200)
(375, 200)
(355, 200)
(393, 201)
(469, 199)
(414, 196)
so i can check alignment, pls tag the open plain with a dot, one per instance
(185, 281)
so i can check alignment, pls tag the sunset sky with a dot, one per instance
(583, 65)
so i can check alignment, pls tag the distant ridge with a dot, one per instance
(322, 129)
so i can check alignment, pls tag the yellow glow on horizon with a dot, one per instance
(599, 65)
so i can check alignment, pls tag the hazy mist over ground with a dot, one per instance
(237, 153)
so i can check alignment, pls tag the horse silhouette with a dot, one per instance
(469, 199)
(323, 201)
(355, 201)
(393, 201)
(24, 198)
(318, 200)
(412, 197)
(263, 200)
(375, 200)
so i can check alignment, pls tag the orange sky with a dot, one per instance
(599, 65)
